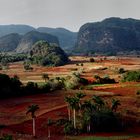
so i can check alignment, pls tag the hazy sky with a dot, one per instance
(70, 14)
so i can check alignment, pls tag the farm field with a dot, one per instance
(89, 69)
(52, 105)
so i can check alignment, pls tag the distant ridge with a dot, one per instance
(9, 42)
(110, 36)
(30, 38)
(20, 29)
(66, 38)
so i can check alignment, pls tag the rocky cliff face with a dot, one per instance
(31, 38)
(9, 42)
(112, 35)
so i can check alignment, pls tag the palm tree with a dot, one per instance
(32, 109)
(115, 104)
(89, 109)
(80, 95)
(98, 101)
(49, 123)
(45, 76)
(74, 105)
(68, 100)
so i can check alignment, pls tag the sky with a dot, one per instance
(70, 14)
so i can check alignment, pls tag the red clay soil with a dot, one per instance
(41, 125)
(56, 131)
(120, 88)
(13, 111)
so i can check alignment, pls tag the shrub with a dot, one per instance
(91, 60)
(131, 76)
(103, 80)
(69, 129)
(31, 88)
(105, 120)
(74, 81)
(45, 88)
(7, 137)
(9, 87)
(83, 81)
(55, 84)
(28, 67)
(138, 92)
(121, 70)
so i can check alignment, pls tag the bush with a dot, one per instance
(74, 81)
(45, 88)
(55, 84)
(131, 76)
(83, 81)
(9, 87)
(91, 60)
(28, 67)
(31, 88)
(69, 129)
(105, 120)
(103, 80)
(138, 92)
(7, 137)
(121, 70)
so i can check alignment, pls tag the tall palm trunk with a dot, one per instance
(69, 113)
(34, 134)
(88, 128)
(49, 133)
(74, 118)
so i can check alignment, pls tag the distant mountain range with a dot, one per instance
(110, 36)
(67, 39)
(30, 38)
(9, 42)
(28, 35)
(19, 29)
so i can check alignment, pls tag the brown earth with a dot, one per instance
(52, 105)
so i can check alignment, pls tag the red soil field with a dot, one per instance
(52, 105)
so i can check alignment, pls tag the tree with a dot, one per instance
(88, 109)
(49, 123)
(74, 105)
(32, 109)
(68, 99)
(7, 137)
(98, 101)
(80, 95)
(45, 76)
(115, 104)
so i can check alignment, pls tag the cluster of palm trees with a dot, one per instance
(74, 103)
(88, 108)
(84, 108)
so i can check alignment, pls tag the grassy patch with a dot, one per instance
(125, 137)
(91, 86)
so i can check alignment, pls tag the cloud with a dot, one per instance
(65, 13)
